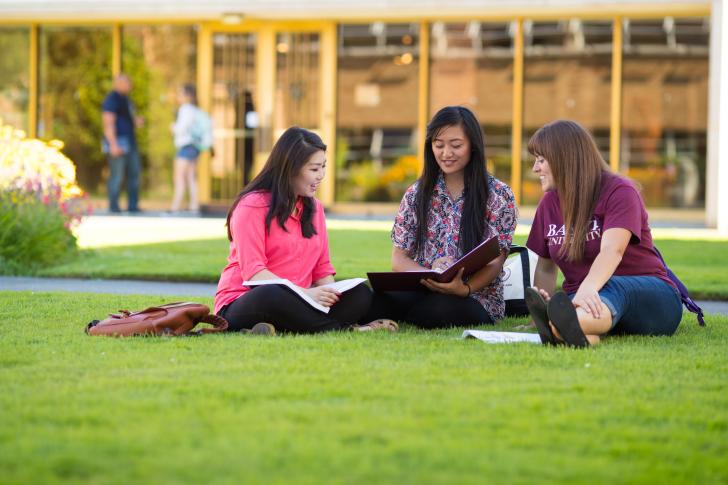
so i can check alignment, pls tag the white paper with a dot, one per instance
(493, 337)
(340, 286)
(344, 285)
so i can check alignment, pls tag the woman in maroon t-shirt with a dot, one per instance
(592, 225)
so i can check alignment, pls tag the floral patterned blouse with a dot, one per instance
(443, 227)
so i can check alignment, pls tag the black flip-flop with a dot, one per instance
(537, 308)
(562, 314)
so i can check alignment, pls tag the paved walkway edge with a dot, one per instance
(137, 287)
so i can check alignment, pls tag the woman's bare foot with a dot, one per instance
(378, 324)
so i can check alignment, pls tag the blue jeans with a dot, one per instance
(642, 305)
(130, 164)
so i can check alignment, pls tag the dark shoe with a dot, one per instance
(114, 210)
(136, 210)
(261, 328)
(562, 314)
(537, 308)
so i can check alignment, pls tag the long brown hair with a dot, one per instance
(289, 155)
(576, 166)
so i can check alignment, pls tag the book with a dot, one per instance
(340, 286)
(473, 261)
(493, 337)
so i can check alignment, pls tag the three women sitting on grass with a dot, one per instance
(591, 224)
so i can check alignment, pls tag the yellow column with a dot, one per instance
(615, 122)
(265, 65)
(327, 96)
(423, 90)
(517, 128)
(116, 49)
(204, 98)
(33, 82)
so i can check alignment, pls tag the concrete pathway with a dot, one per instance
(135, 287)
(125, 287)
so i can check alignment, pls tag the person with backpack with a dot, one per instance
(192, 134)
(592, 225)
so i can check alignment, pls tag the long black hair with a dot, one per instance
(472, 222)
(290, 153)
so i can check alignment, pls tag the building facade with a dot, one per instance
(643, 76)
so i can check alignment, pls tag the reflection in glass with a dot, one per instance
(567, 75)
(377, 142)
(233, 113)
(158, 58)
(664, 109)
(14, 69)
(471, 64)
(74, 77)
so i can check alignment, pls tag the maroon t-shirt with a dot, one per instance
(619, 205)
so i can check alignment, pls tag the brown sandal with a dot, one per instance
(378, 324)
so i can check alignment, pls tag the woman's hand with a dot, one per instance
(323, 296)
(455, 287)
(588, 299)
(441, 264)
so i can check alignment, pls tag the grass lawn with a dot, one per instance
(411, 407)
(702, 265)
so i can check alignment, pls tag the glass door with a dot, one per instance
(297, 94)
(263, 81)
(233, 113)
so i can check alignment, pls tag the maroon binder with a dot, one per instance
(474, 260)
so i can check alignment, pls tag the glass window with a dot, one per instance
(74, 77)
(376, 157)
(567, 75)
(14, 66)
(159, 59)
(297, 81)
(665, 109)
(234, 114)
(471, 64)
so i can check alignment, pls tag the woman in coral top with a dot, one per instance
(277, 229)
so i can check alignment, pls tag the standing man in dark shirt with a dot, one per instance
(120, 144)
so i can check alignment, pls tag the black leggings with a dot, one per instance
(427, 309)
(286, 310)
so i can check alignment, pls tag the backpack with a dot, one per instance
(201, 130)
(689, 303)
(518, 272)
(169, 319)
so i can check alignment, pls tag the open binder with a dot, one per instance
(473, 261)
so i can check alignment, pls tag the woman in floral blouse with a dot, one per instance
(461, 206)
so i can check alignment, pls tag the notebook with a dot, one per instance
(477, 258)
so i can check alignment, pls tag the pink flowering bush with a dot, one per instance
(40, 203)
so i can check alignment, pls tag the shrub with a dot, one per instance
(40, 203)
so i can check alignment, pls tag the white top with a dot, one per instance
(182, 128)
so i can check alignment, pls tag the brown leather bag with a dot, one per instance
(170, 319)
